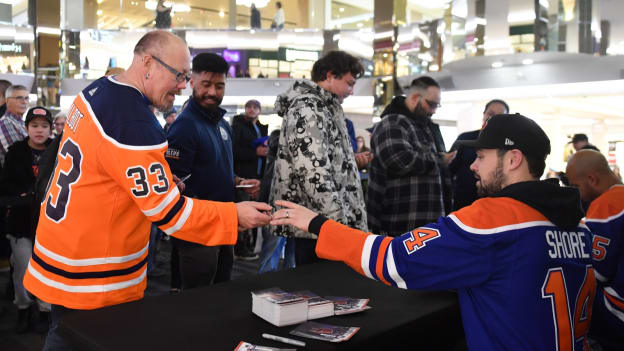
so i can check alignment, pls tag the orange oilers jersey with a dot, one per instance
(110, 183)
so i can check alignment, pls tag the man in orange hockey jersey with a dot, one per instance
(112, 182)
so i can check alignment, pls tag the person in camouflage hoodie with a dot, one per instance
(315, 164)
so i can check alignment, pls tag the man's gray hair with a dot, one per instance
(12, 88)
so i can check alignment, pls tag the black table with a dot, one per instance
(219, 317)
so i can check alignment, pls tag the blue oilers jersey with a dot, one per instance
(605, 218)
(523, 283)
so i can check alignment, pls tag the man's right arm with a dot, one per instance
(399, 156)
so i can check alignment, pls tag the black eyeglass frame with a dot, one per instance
(179, 76)
(433, 104)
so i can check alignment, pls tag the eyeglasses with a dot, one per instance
(179, 76)
(433, 104)
(20, 98)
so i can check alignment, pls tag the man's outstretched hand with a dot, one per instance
(252, 214)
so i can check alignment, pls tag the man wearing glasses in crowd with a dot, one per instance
(409, 182)
(12, 126)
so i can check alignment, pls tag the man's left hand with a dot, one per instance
(254, 190)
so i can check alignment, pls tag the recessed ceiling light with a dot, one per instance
(527, 62)
(99, 12)
(341, 9)
(497, 64)
(221, 14)
(360, 25)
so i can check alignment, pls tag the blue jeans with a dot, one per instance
(54, 341)
(155, 236)
(272, 250)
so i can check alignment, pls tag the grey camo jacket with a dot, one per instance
(315, 166)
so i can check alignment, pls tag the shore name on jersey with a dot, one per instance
(566, 244)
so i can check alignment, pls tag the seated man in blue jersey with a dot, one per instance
(519, 258)
(589, 171)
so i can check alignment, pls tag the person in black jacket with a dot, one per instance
(464, 180)
(255, 17)
(250, 147)
(249, 142)
(18, 180)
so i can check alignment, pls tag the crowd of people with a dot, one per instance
(475, 218)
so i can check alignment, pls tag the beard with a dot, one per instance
(210, 102)
(495, 184)
(420, 111)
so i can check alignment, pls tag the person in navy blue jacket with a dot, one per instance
(200, 154)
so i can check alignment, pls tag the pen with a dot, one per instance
(184, 178)
(284, 340)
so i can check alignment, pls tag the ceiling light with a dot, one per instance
(100, 1)
(341, 9)
(99, 12)
(259, 3)
(497, 64)
(360, 25)
(221, 14)
(527, 61)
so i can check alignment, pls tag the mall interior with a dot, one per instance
(557, 61)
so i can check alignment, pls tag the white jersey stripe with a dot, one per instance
(502, 228)
(366, 251)
(605, 220)
(164, 203)
(392, 269)
(182, 220)
(599, 276)
(113, 141)
(613, 310)
(86, 288)
(89, 261)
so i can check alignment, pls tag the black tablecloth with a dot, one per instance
(219, 317)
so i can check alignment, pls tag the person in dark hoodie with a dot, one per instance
(519, 258)
(200, 153)
(250, 146)
(18, 179)
(409, 181)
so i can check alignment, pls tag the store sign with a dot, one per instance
(293, 55)
(231, 56)
(13, 48)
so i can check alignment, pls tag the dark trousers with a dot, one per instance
(304, 251)
(54, 341)
(203, 265)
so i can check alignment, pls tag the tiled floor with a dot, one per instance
(10, 341)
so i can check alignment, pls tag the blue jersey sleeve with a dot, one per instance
(606, 246)
(440, 255)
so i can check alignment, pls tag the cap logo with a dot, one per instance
(39, 111)
(509, 142)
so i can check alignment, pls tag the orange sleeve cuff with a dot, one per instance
(337, 242)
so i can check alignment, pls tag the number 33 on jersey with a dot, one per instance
(111, 183)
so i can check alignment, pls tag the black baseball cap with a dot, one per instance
(38, 112)
(512, 131)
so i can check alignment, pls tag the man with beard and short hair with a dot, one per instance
(589, 171)
(464, 181)
(200, 148)
(409, 182)
(519, 259)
